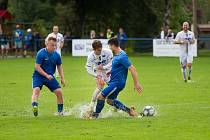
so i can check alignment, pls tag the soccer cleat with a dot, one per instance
(185, 80)
(94, 115)
(35, 111)
(189, 79)
(60, 114)
(133, 112)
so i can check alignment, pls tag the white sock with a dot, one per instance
(184, 73)
(94, 97)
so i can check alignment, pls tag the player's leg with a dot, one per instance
(100, 85)
(2, 51)
(112, 100)
(59, 95)
(183, 61)
(34, 100)
(54, 86)
(36, 85)
(16, 49)
(7, 50)
(99, 105)
(25, 51)
(101, 99)
(20, 48)
(189, 65)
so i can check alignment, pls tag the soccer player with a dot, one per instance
(18, 38)
(28, 43)
(4, 45)
(46, 61)
(59, 42)
(120, 66)
(186, 38)
(98, 65)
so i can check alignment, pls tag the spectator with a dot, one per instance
(28, 43)
(109, 33)
(68, 40)
(4, 45)
(170, 34)
(122, 37)
(18, 37)
(101, 35)
(162, 33)
(92, 34)
(37, 44)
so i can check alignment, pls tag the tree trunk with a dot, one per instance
(167, 13)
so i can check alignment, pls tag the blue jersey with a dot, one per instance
(48, 61)
(28, 39)
(120, 65)
(18, 35)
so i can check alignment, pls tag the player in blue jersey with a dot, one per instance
(120, 66)
(46, 61)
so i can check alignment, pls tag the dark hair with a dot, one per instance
(51, 38)
(113, 41)
(96, 44)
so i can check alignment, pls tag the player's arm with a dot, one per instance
(193, 39)
(46, 39)
(62, 42)
(134, 74)
(60, 70)
(178, 40)
(42, 72)
(109, 64)
(89, 65)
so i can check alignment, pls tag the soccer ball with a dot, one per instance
(148, 111)
(85, 112)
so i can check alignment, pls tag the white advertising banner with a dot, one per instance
(167, 47)
(82, 47)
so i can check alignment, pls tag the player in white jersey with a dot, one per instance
(98, 65)
(186, 38)
(59, 42)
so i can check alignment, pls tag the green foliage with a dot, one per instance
(139, 18)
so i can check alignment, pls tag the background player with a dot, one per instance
(46, 61)
(59, 42)
(99, 66)
(186, 38)
(120, 66)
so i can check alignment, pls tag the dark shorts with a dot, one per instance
(40, 81)
(112, 90)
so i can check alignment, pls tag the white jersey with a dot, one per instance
(59, 41)
(186, 50)
(105, 59)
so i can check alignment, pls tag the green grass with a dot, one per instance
(183, 109)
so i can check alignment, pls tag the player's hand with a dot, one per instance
(49, 77)
(99, 81)
(138, 87)
(100, 68)
(108, 74)
(63, 82)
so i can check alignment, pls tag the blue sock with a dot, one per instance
(34, 104)
(99, 106)
(60, 107)
(120, 106)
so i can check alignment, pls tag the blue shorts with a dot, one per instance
(40, 81)
(18, 45)
(112, 91)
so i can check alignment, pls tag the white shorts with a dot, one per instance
(105, 77)
(186, 59)
(58, 50)
(5, 46)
